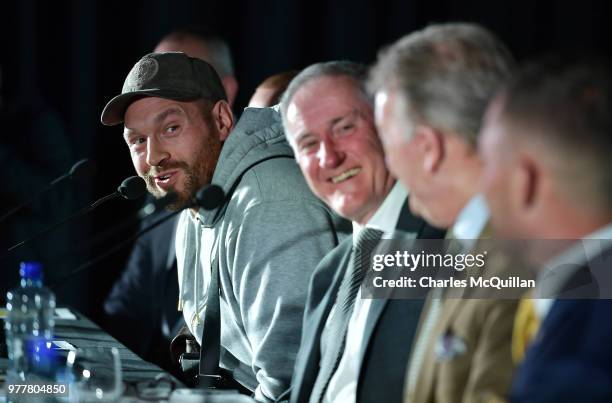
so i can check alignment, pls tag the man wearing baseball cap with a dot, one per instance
(260, 245)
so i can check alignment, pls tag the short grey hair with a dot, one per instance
(446, 75)
(564, 101)
(218, 50)
(337, 68)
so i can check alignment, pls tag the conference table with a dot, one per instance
(142, 380)
(82, 333)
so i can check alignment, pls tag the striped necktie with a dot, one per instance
(367, 240)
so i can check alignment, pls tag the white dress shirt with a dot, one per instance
(471, 222)
(343, 384)
(193, 284)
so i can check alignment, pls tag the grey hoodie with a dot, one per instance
(268, 238)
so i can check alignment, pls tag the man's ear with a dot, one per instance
(223, 119)
(431, 146)
(527, 183)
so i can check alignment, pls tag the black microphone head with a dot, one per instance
(132, 188)
(210, 197)
(83, 169)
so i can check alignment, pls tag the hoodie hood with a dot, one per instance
(257, 136)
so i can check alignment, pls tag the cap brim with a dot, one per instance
(115, 109)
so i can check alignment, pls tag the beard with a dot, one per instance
(197, 175)
(184, 198)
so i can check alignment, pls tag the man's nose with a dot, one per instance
(329, 155)
(156, 154)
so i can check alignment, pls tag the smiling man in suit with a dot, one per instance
(431, 90)
(352, 349)
(546, 145)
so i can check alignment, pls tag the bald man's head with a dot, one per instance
(269, 92)
(208, 48)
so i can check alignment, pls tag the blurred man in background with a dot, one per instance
(546, 146)
(211, 49)
(432, 88)
(269, 92)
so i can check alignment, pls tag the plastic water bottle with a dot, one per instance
(29, 325)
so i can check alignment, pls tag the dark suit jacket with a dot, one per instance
(570, 359)
(391, 325)
(141, 310)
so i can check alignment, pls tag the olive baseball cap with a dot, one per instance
(171, 75)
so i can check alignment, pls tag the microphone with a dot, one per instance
(209, 198)
(131, 188)
(82, 169)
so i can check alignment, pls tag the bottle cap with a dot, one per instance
(31, 270)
